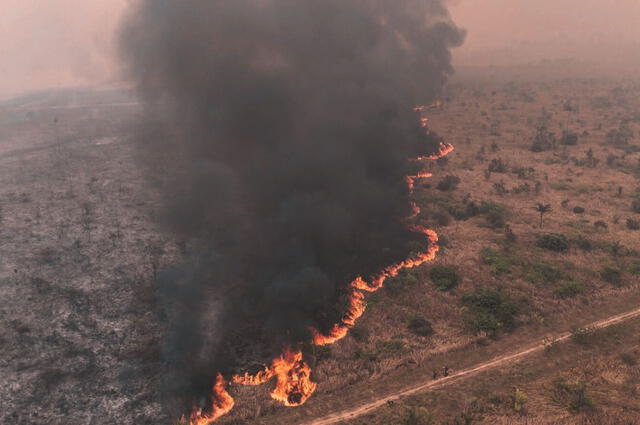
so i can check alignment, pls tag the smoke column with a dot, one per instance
(283, 131)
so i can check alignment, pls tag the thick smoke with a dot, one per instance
(283, 130)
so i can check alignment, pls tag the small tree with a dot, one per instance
(542, 209)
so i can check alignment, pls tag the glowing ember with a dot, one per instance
(221, 404)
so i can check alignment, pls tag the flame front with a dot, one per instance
(357, 303)
(221, 404)
(294, 385)
(293, 375)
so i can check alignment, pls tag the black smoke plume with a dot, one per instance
(283, 130)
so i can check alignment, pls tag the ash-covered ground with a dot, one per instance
(79, 327)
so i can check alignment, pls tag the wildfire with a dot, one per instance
(357, 304)
(293, 375)
(294, 384)
(221, 401)
(356, 308)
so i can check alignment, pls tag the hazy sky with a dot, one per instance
(53, 43)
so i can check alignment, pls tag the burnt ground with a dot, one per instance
(78, 251)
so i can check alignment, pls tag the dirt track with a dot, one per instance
(369, 407)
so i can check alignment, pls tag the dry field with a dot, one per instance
(81, 338)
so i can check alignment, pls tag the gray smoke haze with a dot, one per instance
(283, 130)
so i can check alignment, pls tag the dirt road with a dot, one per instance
(499, 361)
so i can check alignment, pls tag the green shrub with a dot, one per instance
(553, 242)
(444, 277)
(583, 243)
(572, 396)
(600, 224)
(633, 224)
(635, 205)
(448, 183)
(578, 210)
(489, 311)
(495, 214)
(569, 290)
(634, 268)
(569, 138)
(612, 275)
(420, 326)
(418, 416)
(519, 401)
(500, 264)
(497, 165)
(391, 345)
(541, 273)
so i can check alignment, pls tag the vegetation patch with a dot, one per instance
(542, 273)
(448, 183)
(420, 326)
(612, 275)
(572, 395)
(489, 310)
(570, 289)
(500, 263)
(555, 242)
(444, 277)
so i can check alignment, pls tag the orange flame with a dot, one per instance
(444, 150)
(254, 380)
(357, 303)
(221, 404)
(293, 375)
(356, 308)
(294, 386)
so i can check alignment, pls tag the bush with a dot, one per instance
(600, 224)
(612, 275)
(420, 326)
(569, 290)
(553, 242)
(578, 210)
(541, 273)
(635, 206)
(500, 264)
(418, 416)
(445, 278)
(391, 345)
(583, 243)
(497, 165)
(544, 140)
(572, 396)
(448, 183)
(569, 138)
(489, 311)
(519, 400)
(633, 224)
(495, 214)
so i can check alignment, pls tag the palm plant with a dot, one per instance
(542, 209)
